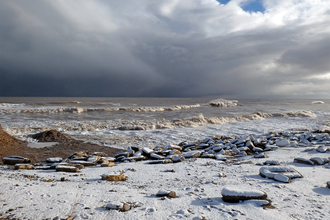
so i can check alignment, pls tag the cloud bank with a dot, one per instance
(165, 48)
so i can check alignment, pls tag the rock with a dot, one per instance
(123, 207)
(12, 160)
(192, 154)
(54, 160)
(162, 193)
(283, 143)
(100, 154)
(110, 164)
(126, 207)
(271, 162)
(91, 161)
(134, 158)
(322, 149)
(161, 161)
(317, 160)
(63, 168)
(177, 158)
(282, 178)
(23, 166)
(147, 151)
(257, 149)
(107, 159)
(174, 152)
(222, 175)
(304, 161)
(328, 184)
(271, 171)
(156, 156)
(236, 194)
(114, 177)
(262, 155)
(121, 154)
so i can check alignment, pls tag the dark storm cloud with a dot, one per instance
(163, 48)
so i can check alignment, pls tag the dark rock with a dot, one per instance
(12, 160)
(234, 195)
(304, 161)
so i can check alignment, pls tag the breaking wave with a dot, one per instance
(223, 103)
(122, 124)
(81, 110)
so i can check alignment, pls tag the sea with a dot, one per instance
(147, 122)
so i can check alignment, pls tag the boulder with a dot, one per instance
(282, 178)
(271, 171)
(114, 177)
(192, 154)
(110, 164)
(23, 166)
(161, 161)
(262, 155)
(322, 149)
(123, 207)
(63, 168)
(169, 194)
(12, 160)
(317, 160)
(271, 162)
(54, 160)
(236, 194)
(283, 143)
(328, 184)
(304, 161)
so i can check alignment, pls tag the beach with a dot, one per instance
(221, 134)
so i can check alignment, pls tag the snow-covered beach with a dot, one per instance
(197, 182)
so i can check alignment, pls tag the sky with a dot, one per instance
(165, 48)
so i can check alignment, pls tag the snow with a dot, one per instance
(29, 193)
(235, 191)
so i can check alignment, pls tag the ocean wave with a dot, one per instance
(318, 102)
(81, 110)
(223, 103)
(154, 123)
(10, 106)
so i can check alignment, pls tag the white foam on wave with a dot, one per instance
(150, 124)
(11, 106)
(81, 109)
(223, 103)
(318, 102)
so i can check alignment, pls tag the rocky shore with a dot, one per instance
(199, 169)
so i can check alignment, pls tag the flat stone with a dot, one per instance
(161, 161)
(12, 160)
(317, 160)
(110, 164)
(192, 154)
(271, 162)
(304, 161)
(54, 160)
(282, 178)
(236, 194)
(283, 143)
(262, 155)
(322, 149)
(63, 168)
(113, 177)
(23, 166)
(271, 171)
(162, 193)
